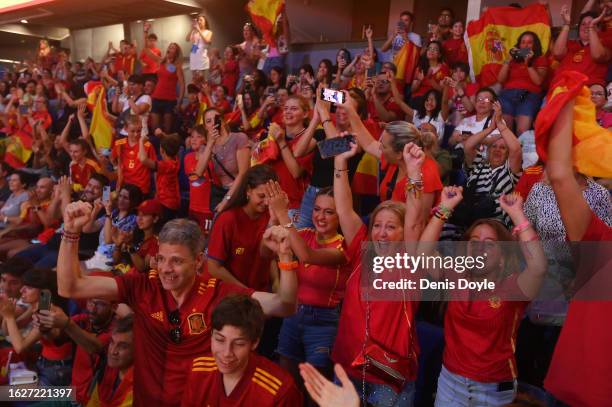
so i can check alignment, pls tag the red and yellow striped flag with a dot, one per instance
(490, 38)
(264, 14)
(101, 128)
(18, 149)
(592, 144)
(406, 61)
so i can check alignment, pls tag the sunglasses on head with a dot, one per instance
(175, 333)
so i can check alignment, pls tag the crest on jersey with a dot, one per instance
(196, 323)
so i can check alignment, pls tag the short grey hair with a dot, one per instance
(402, 133)
(183, 232)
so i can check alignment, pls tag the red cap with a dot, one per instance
(150, 207)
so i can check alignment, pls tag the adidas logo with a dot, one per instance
(159, 315)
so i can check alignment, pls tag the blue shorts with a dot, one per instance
(519, 102)
(162, 106)
(309, 334)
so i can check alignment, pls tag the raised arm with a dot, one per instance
(64, 136)
(413, 220)
(397, 98)
(559, 49)
(306, 143)
(364, 138)
(142, 154)
(350, 222)
(599, 52)
(70, 282)
(515, 152)
(293, 166)
(470, 145)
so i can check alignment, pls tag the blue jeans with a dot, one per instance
(309, 335)
(519, 102)
(54, 372)
(40, 255)
(458, 391)
(308, 200)
(271, 62)
(381, 395)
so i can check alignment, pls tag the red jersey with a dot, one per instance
(518, 77)
(161, 366)
(431, 181)
(530, 176)
(107, 394)
(167, 184)
(238, 251)
(45, 117)
(440, 74)
(578, 58)
(125, 63)
(149, 64)
(199, 187)
(293, 187)
(80, 175)
(85, 362)
(580, 372)
(321, 286)
(389, 105)
(134, 171)
(391, 323)
(455, 51)
(263, 384)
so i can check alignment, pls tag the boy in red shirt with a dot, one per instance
(234, 375)
(125, 156)
(166, 185)
(150, 55)
(455, 50)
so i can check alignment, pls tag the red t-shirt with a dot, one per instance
(199, 187)
(431, 181)
(80, 175)
(84, 362)
(124, 63)
(161, 367)
(167, 183)
(455, 51)
(239, 251)
(293, 187)
(134, 171)
(391, 323)
(230, 75)
(530, 176)
(518, 78)
(580, 372)
(263, 384)
(390, 106)
(440, 74)
(578, 58)
(52, 351)
(321, 286)
(45, 117)
(151, 66)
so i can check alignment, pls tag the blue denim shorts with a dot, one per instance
(456, 390)
(161, 106)
(309, 334)
(518, 102)
(382, 395)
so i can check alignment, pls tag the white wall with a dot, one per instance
(315, 19)
(94, 41)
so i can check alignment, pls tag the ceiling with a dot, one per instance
(77, 14)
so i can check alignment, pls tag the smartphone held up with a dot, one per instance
(335, 146)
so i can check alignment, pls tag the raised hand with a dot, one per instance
(414, 157)
(326, 393)
(369, 32)
(76, 215)
(277, 200)
(565, 14)
(7, 308)
(348, 154)
(276, 132)
(55, 318)
(451, 196)
(512, 204)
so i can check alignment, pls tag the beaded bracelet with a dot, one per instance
(415, 187)
(70, 237)
(290, 266)
(442, 212)
(521, 228)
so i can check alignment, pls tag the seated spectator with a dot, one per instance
(480, 122)
(523, 78)
(461, 93)
(54, 366)
(429, 73)
(233, 374)
(454, 47)
(325, 73)
(382, 107)
(113, 381)
(5, 190)
(12, 206)
(590, 54)
(11, 282)
(188, 112)
(81, 166)
(134, 103)
(248, 104)
(599, 98)
(431, 147)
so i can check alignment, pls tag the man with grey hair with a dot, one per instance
(172, 305)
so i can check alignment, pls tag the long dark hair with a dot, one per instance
(537, 44)
(422, 112)
(254, 177)
(424, 62)
(330, 70)
(135, 196)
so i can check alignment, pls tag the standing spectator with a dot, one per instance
(429, 74)
(150, 54)
(523, 82)
(455, 50)
(231, 71)
(199, 180)
(200, 37)
(475, 124)
(403, 33)
(165, 96)
(188, 112)
(441, 31)
(134, 103)
(250, 48)
(125, 57)
(598, 96)
(590, 54)
(11, 282)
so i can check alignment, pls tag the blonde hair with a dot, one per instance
(402, 133)
(397, 208)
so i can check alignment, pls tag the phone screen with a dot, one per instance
(218, 121)
(334, 146)
(331, 95)
(44, 303)
(106, 193)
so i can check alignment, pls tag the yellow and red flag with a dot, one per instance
(592, 144)
(490, 38)
(406, 61)
(264, 14)
(101, 128)
(264, 151)
(18, 149)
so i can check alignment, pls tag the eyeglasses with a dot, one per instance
(433, 49)
(175, 333)
(598, 94)
(383, 81)
(485, 100)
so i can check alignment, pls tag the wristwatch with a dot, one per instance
(227, 197)
(288, 225)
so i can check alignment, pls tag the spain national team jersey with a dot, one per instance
(161, 366)
(79, 175)
(134, 171)
(263, 384)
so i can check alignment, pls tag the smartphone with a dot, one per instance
(218, 121)
(106, 194)
(23, 109)
(105, 152)
(334, 146)
(44, 303)
(331, 95)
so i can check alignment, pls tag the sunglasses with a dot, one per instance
(175, 333)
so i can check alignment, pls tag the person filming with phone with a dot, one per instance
(39, 290)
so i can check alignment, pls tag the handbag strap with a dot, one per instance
(216, 159)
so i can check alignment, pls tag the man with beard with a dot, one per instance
(45, 255)
(91, 331)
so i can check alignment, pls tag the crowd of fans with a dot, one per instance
(214, 236)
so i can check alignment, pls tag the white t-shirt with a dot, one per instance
(142, 99)
(198, 57)
(438, 122)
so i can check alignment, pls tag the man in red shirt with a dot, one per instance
(125, 154)
(124, 59)
(172, 305)
(234, 375)
(150, 54)
(454, 48)
(81, 167)
(381, 106)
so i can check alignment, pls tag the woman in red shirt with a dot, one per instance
(165, 98)
(231, 71)
(430, 72)
(522, 76)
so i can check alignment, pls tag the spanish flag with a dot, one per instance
(406, 61)
(264, 14)
(18, 149)
(100, 128)
(592, 144)
(204, 103)
(365, 180)
(264, 151)
(490, 38)
(233, 118)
